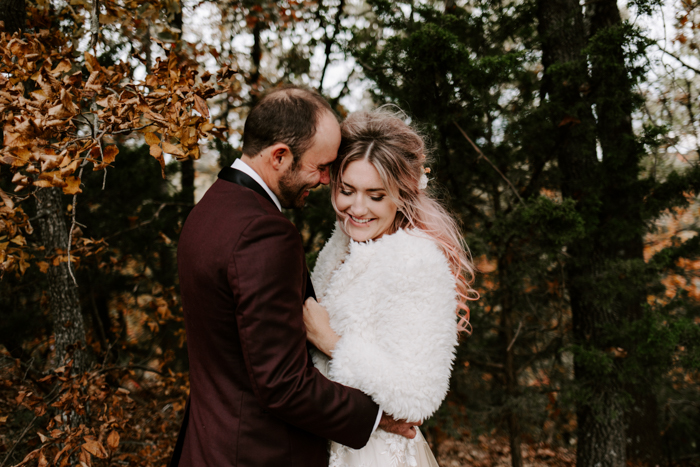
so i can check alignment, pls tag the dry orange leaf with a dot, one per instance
(151, 139)
(19, 240)
(63, 66)
(6, 199)
(201, 106)
(172, 149)
(109, 154)
(569, 119)
(113, 440)
(70, 168)
(158, 154)
(91, 62)
(43, 266)
(95, 448)
(72, 186)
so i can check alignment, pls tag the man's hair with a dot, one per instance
(286, 115)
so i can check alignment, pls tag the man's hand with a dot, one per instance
(399, 427)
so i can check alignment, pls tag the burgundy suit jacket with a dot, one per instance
(255, 397)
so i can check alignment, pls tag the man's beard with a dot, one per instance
(292, 189)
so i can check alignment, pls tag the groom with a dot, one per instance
(255, 397)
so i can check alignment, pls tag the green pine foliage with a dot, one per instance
(474, 72)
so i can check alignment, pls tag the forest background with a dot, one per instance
(562, 135)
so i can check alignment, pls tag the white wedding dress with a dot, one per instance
(384, 450)
(392, 302)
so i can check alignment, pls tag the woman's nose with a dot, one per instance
(359, 206)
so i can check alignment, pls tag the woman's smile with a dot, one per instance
(357, 220)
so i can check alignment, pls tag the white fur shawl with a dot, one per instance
(393, 303)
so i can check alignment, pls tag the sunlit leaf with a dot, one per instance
(72, 186)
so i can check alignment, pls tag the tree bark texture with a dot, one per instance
(14, 14)
(612, 92)
(187, 171)
(68, 324)
(510, 372)
(600, 411)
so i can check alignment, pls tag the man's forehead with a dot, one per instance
(320, 157)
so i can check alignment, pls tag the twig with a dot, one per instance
(29, 367)
(128, 130)
(39, 215)
(95, 23)
(520, 326)
(690, 67)
(481, 154)
(132, 367)
(72, 227)
(26, 429)
(495, 366)
(154, 217)
(73, 141)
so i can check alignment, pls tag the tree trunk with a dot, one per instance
(68, 325)
(510, 375)
(601, 425)
(612, 91)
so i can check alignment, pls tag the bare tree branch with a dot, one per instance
(481, 154)
(690, 67)
(330, 40)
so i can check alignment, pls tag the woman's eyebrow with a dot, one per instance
(368, 189)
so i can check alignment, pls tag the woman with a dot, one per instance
(391, 281)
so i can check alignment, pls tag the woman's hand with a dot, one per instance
(318, 327)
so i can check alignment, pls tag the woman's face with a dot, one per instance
(364, 201)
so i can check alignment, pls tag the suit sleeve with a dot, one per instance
(403, 356)
(267, 274)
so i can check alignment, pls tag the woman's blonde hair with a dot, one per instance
(397, 152)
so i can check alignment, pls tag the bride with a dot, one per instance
(391, 282)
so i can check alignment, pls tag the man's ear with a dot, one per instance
(281, 156)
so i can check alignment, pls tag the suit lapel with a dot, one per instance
(241, 178)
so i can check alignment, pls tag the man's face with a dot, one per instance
(313, 166)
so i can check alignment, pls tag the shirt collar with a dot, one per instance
(248, 170)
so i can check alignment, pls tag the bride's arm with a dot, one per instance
(318, 327)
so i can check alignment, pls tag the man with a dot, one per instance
(255, 397)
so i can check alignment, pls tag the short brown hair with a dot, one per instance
(286, 115)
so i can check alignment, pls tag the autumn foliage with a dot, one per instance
(74, 113)
(105, 104)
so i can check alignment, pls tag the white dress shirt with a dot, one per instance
(248, 170)
(238, 164)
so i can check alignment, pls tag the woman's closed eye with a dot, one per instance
(377, 198)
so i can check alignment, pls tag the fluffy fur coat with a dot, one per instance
(393, 303)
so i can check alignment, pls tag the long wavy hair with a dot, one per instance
(397, 151)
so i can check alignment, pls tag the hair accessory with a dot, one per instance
(423, 182)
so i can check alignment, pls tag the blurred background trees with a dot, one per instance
(564, 138)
